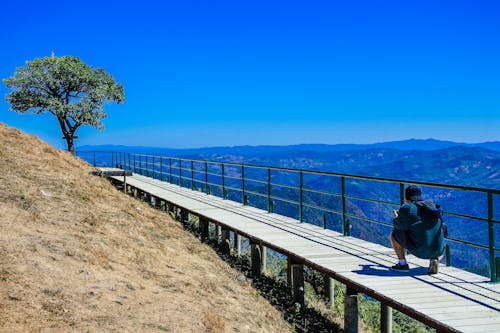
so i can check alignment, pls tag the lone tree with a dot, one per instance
(72, 91)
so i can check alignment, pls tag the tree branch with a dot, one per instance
(63, 126)
(68, 124)
(74, 128)
(76, 96)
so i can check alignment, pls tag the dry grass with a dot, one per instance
(76, 255)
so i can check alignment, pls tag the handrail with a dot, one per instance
(230, 177)
(326, 173)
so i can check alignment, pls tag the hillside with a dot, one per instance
(78, 255)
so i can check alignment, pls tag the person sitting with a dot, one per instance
(418, 229)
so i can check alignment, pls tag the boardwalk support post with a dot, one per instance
(329, 290)
(351, 311)
(158, 203)
(225, 245)
(124, 182)
(218, 233)
(237, 244)
(256, 258)
(204, 229)
(184, 217)
(263, 254)
(171, 209)
(296, 281)
(385, 319)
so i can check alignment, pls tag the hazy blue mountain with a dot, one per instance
(465, 165)
(412, 144)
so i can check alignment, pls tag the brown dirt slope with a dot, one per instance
(76, 255)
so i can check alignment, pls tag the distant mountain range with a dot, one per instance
(419, 160)
(411, 144)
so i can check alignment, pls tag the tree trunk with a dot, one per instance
(68, 133)
(71, 144)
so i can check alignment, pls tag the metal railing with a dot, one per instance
(334, 200)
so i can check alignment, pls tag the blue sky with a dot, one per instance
(211, 73)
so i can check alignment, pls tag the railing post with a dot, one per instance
(223, 182)
(324, 220)
(161, 168)
(180, 172)
(192, 175)
(301, 196)
(170, 171)
(129, 167)
(269, 203)
(497, 264)
(135, 166)
(243, 196)
(345, 221)
(147, 166)
(447, 254)
(153, 166)
(207, 189)
(401, 194)
(491, 240)
(140, 165)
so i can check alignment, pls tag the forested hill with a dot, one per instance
(471, 166)
(423, 160)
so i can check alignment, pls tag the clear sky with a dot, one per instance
(211, 73)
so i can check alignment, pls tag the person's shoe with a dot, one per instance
(401, 268)
(433, 266)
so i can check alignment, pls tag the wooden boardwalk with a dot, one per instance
(451, 301)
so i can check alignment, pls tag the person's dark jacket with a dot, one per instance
(423, 228)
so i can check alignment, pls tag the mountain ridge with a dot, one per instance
(410, 144)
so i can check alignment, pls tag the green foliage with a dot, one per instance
(67, 88)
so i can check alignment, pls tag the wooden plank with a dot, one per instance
(481, 320)
(490, 328)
